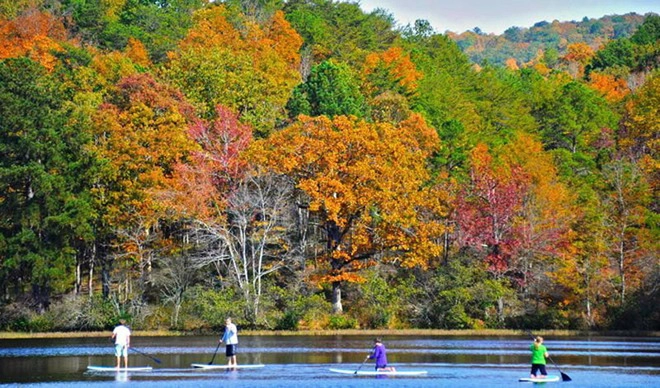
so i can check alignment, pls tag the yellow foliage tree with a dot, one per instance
(248, 68)
(576, 58)
(368, 185)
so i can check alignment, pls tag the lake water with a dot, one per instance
(304, 361)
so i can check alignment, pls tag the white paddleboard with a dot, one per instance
(546, 379)
(225, 366)
(379, 373)
(115, 369)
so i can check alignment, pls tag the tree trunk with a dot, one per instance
(78, 286)
(336, 298)
(92, 261)
(622, 258)
(105, 277)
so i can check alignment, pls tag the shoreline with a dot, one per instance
(349, 332)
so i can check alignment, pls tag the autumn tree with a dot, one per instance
(366, 183)
(582, 278)
(631, 178)
(577, 57)
(240, 219)
(389, 81)
(613, 88)
(626, 202)
(542, 226)
(141, 131)
(249, 68)
(638, 136)
(34, 34)
(486, 213)
(391, 70)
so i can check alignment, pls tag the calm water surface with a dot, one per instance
(299, 361)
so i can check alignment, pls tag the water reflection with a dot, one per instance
(306, 360)
(122, 377)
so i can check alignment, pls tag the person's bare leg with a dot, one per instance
(126, 361)
(118, 362)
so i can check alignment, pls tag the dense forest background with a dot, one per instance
(546, 40)
(303, 164)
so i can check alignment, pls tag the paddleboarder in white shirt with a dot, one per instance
(230, 338)
(122, 336)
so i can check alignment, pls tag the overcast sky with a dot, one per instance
(495, 16)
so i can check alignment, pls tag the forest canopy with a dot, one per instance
(303, 164)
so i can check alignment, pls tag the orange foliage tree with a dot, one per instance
(391, 70)
(34, 34)
(512, 64)
(142, 133)
(613, 88)
(368, 185)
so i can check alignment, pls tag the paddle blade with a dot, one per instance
(565, 377)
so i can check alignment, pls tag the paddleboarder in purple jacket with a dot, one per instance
(379, 353)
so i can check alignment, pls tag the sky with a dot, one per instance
(495, 16)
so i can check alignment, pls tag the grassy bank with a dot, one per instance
(416, 332)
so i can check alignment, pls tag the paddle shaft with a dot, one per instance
(360, 367)
(145, 354)
(214, 353)
(564, 376)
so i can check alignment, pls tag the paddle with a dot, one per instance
(360, 367)
(214, 353)
(146, 355)
(564, 376)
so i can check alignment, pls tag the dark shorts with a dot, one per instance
(537, 368)
(380, 367)
(230, 350)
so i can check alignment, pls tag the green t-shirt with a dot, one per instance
(538, 354)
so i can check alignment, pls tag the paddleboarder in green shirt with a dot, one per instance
(539, 354)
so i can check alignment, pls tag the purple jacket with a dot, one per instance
(380, 354)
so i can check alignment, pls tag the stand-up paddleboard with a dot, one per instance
(225, 366)
(546, 379)
(115, 369)
(379, 373)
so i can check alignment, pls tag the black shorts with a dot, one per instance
(537, 368)
(230, 350)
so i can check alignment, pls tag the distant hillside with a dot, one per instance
(524, 44)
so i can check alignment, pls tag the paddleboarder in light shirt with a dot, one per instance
(122, 336)
(539, 354)
(379, 353)
(230, 338)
